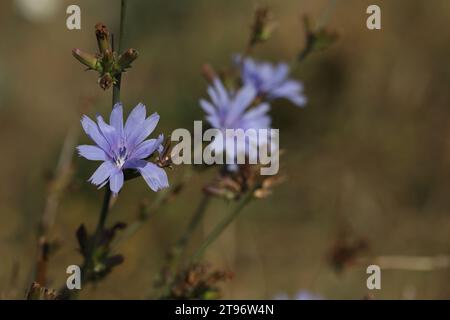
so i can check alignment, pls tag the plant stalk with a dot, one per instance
(217, 231)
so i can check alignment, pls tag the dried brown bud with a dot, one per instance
(106, 81)
(37, 292)
(102, 34)
(199, 282)
(208, 73)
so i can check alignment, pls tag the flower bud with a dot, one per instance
(102, 34)
(262, 26)
(89, 60)
(317, 39)
(127, 58)
(108, 60)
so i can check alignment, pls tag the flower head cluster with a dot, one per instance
(123, 147)
(271, 81)
(108, 63)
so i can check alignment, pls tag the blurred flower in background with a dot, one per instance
(271, 81)
(233, 110)
(37, 10)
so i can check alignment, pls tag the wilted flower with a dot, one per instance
(233, 110)
(38, 292)
(271, 81)
(231, 185)
(198, 281)
(123, 147)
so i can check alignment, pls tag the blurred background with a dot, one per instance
(367, 161)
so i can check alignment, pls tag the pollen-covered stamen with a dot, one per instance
(121, 157)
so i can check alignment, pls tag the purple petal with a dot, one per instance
(92, 152)
(281, 72)
(116, 119)
(135, 119)
(241, 102)
(214, 121)
(144, 130)
(256, 112)
(146, 148)
(221, 92)
(91, 129)
(103, 172)
(213, 95)
(108, 132)
(287, 88)
(290, 90)
(207, 107)
(116, 181)
(155, 176)
(262, 122)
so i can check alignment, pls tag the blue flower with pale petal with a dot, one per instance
(235, 110)
(123, 147)
(231, 110)
(271, 81)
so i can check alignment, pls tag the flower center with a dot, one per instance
(121, 157)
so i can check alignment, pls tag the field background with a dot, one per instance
(369, 156)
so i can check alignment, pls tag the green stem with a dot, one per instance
(98, 231)
(103, 214)
(217, 231)
(116, 86)
(123, 11)
(179, 248)
(181, 244)
(115, 99)
(65, 293)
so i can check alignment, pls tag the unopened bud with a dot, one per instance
(262, 26)
(208, 73)
(89, 60)
(102, 34)
(127, 58)
(108, 60)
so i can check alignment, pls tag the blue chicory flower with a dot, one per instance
(234, 110)
(270, 80)
(231, 110)
(123, 147)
